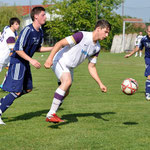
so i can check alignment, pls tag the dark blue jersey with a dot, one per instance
(29, 41)
(145, 42)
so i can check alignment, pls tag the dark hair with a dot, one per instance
(13, 20)
(103, 24)
(36, 11)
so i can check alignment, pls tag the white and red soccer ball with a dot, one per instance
(129, 86)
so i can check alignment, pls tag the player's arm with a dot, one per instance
(70, 40)
(10, 42)
(55, 49)
(34, 62)
(134, 51)
(44, 49)
(93, 72)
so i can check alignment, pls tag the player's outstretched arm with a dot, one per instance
(45, 49)
(93, 72)
(134, 51)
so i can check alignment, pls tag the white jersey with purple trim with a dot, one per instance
(81, 46)
(7, 42)
(138, 40)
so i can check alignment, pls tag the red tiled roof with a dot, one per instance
(136, 24)
(25, 10)
(132, 19)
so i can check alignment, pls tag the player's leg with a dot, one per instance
(12, 84)
(3, 80)
(27, 84)
(140, 53)
(6, 67)
(147, 83)
(65, 77)
(136, 54)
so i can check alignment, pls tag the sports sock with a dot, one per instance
(6, 101)
(57, 100)
(147, 87)
(136, 54)
(140, 54)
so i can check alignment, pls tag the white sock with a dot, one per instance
(136, 54)
(140, 54)
(57, 100)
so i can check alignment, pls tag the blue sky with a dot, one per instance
(133, 8)
(22, 2)
(137, 8)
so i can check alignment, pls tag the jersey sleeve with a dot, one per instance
(93, 59)
(11, 42)
(22, 40)
(75, 38)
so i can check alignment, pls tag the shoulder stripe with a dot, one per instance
(23, 37)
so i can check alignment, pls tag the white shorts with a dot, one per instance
(60, 68)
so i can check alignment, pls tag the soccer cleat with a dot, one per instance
(147, 98)
(1, 122)
(54, 118)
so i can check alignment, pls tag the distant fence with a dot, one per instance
(117, 44)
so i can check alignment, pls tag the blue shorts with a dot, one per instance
(147, 70)
(18, 78)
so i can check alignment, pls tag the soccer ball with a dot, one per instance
(129, 86)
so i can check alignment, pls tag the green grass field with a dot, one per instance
(94, 120)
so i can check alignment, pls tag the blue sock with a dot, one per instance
(147, 87)
(6, 101)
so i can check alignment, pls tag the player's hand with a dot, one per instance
(127, 56)
(35, 63)
(103, 88)
(48, 64)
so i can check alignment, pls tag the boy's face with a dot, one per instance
(102, 33)
(15, 26)
(41, 17)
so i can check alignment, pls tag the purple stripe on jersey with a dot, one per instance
(11, 40)
(58, 96)
(78, 37)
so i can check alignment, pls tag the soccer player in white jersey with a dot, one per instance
(137, 42)
(76, 49)
(7, 41)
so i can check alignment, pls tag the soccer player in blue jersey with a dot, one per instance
(145, 42)
(19, 79)
(76, 48)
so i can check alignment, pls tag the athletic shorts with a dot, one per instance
(18, 78)
(147, 70)
(60, 68)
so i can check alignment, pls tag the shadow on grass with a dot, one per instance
(71, 118)
(130, 123)
(29, 115)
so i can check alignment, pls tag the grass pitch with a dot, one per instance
(94, 120)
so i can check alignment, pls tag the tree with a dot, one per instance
(69, 16)
(7, 12)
